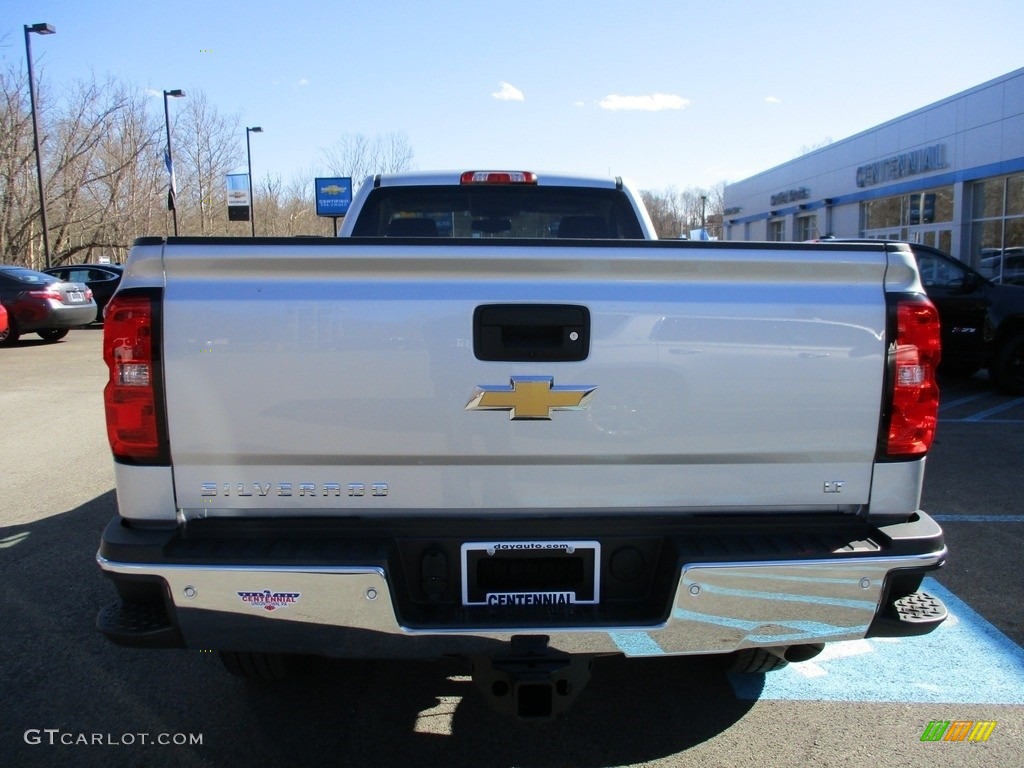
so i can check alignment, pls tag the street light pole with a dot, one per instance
(177, 93)
(39, 29)
(248, 156)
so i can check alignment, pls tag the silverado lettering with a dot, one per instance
(292, 489)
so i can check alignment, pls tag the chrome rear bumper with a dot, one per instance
(718, 607)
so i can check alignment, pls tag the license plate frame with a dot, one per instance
(555, 573)
(76, 297)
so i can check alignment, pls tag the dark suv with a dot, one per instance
(982, 321)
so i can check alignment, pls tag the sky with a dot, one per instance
(668, 93)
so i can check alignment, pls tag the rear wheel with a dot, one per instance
(1008, 370)
(53, 334)
(10, 336)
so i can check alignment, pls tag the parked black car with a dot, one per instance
(982, 321)
(102, 280)
(43, 304)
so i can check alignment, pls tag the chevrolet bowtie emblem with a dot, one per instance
(531, 397)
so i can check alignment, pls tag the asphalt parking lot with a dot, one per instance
(70, 697)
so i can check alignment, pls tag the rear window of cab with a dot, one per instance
(516, 212)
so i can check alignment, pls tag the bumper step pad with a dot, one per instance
(138, 625)
(915, 614)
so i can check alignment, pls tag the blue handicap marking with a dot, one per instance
(966, 660)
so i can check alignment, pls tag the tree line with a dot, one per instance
(675, 213)
(105, 180)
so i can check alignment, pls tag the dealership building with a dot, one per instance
(950, 175)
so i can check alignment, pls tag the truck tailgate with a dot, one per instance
(334, 380)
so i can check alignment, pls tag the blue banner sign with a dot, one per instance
(333, 196)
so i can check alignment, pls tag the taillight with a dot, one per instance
(134, 415)
(913, 390)
(499, 177)
(45, 293)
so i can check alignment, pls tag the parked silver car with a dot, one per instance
(40, 303)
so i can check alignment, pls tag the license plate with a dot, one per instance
(531, 573)
(76, 296)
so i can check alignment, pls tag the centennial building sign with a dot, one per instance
(931, 158)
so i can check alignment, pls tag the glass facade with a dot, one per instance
(806, 228)
(899, 216)
(997, 228)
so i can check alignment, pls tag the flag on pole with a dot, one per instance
(170, 172)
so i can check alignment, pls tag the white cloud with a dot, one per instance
(508, 92)
(773, 100)
(303, 82)
(655, 102)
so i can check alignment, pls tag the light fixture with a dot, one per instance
(39, 29)
(248, 157)
(172, 204)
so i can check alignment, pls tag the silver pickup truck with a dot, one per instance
(498, 419)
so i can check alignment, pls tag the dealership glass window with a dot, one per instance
(988, 198)
(997, 231)
(1015, 195)
(882, 214)
(777, 230)
(806, 228)
(932, 206)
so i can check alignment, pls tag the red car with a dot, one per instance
(3, 322)
(42, 304)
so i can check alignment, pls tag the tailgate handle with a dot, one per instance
(526, 333)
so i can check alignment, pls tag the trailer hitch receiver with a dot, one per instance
(531, 681)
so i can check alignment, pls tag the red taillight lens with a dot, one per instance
(499, 177)
(130, 394)
(44, 293)
(915, 393)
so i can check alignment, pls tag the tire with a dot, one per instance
(10, 337)
(262, 667)
(1008, 370)
(752, 661)
(53, 334)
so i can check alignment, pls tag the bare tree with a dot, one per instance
(675, 213)
(98, 146)
(79, 168)
(806, 149)
(126, 197)
(667, 211)
(19, 202)
(357, 156)
(206, 148)
(289, 210)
